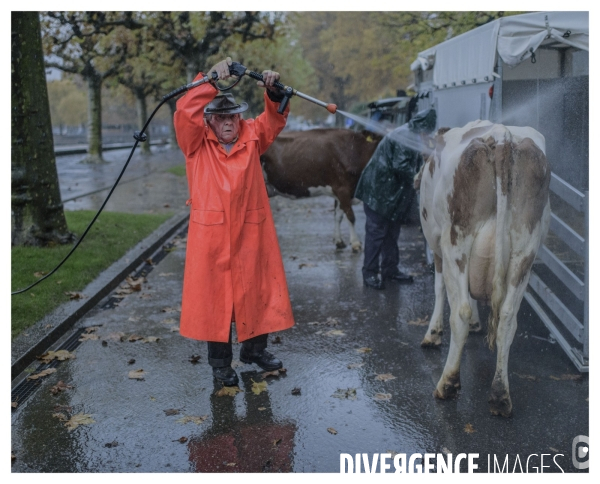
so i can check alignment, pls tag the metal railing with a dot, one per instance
(554, 312)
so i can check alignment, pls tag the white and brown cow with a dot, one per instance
(317, 162)
(485, 211)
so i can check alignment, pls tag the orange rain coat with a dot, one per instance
(233, 259)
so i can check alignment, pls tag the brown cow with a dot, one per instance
(317, 162)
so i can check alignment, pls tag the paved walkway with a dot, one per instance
(334, 398)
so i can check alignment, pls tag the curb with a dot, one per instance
(39, 337)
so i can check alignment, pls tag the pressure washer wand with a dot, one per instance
(237, 69)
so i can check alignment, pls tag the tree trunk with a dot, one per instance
(142, 113)
(172, 136)
(37, 211)
(94, 133)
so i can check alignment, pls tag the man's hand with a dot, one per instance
(270, 78)
(222, 69)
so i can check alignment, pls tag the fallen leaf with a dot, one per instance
(137, 374)
(115, 336)
(565, 376)
(61, 386)
(382, 396)
(262, 409)
(190, 418)
(91, 329)
(60, 355)
(114, 443)
(42, 373)
(79, 419)
(166, 274)
(228, 391)
(131, 361)
(276, 442)
(194, 359)
(231, 464)
(63, 408)
(296, 391)
(74, 295)
(420, 321)
(60, 416)
(133, 319)
(258, 388)
(305, 265)
(183, 440)
(15, 403)
(168, 321)
(355, 365)
(349, 393)
(40, 274)
(236, 364)
(150, 339)
(171, 411)
(272, 373)
(276, 340)
(469, 428)
(385, 377)
(174, 329)
(171, 309)
(364, 350)
(12, 456)
(335, 332)
(446, 451)
(135, 284)
(331, 430)
(362, 310)
(149, 261)
(554, 450)
(134, 337)
(526, 377)
(88, 337)
(313, 323)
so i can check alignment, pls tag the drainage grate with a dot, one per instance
(26, 388)
(146, 268)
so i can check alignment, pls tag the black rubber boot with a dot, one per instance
(262, 358)
(226, 375)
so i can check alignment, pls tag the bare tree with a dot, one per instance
(79, 40)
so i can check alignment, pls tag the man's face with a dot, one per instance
(225, 126)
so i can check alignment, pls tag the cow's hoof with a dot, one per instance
(448, 389)
(356, 248)
(340, 244)
(500, 405)
(474, 327)
(432, 340)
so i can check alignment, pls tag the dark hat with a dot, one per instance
(225, 104)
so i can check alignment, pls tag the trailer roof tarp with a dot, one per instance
(471, 57)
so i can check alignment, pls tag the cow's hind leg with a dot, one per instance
(433, 337)
(500, 402)
(345, 198)
(456, 282)
(337, 234)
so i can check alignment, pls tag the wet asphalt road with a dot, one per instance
(148, 425)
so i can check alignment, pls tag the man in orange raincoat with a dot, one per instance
(233, 269)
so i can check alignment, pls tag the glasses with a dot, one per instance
(224, 117)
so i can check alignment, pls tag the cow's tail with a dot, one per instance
(503, 161)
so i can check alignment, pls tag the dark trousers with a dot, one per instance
(381, 240)
(220, 354)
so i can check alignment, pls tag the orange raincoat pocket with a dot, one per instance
(255, 216)
(208, 217)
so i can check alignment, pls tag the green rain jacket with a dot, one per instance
(386, 183)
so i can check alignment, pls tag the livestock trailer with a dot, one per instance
(531, 70)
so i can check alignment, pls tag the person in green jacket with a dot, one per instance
(386, 189)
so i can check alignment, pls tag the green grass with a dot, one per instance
(108, 240)
(178, 170)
